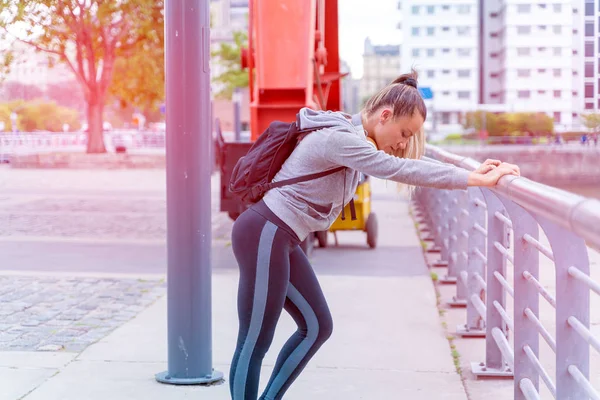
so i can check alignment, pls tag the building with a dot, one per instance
(350, 90)
(504, 56)
(530, 53)
(441, 41)
(381, 65)
(31, 67)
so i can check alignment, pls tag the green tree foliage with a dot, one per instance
(507, 124)
(591, 121)
(229, 57)
(39, 116)
(89, 36)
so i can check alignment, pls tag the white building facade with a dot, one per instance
(441, 41)
(505, 56)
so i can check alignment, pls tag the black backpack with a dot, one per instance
(253, 174)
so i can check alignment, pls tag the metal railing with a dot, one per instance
(479, 232)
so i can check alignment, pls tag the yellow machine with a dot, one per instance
(366, 221)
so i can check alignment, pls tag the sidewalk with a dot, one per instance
(388, 341)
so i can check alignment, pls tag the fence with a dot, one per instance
(476, 232)
(12, 143)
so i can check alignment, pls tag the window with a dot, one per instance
(575, 31)
(400, 5)
(446, 93)
(445, 71)
(464, 73)
(445, 7)
(523, 73)
(463, 52)
(415, 31)
(526, 30)
(430, 73)
(523, 51)
(463, 30)
(541, 49)
(399, 25)
(589, 90)
(574, 115)
(589, 69)
(430, 9)
(557, 29)
(557, 51)
(446, 50)
(415, 10)
(557, 94)
(589, 29)
(589, 106)
(523, 94)
(523, 8)
(542, 5)
(445, 118)
(589, 49)
(574, 52)
(557, 72)
(557, 7)
(464, 9)
(541, 92)
(415, 52)
(589, 8)
(557, 117)
(575, 94)
(430, 52)
(430, 30)
(445, 28)
(542, 27)
(464, 94)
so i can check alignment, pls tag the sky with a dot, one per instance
(360, 19)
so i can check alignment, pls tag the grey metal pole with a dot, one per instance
(188, 194)
(237, 117)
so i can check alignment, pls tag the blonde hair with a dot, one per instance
(404, 99)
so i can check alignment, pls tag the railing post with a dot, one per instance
(572, 300)
(443, 229)
(435, 219)
(494, 364)
(458, 251)
(526, 260)
(475, 326)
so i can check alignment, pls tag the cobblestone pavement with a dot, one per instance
(53, 314)
(68, 314)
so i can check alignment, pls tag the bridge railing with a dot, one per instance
(479, 233)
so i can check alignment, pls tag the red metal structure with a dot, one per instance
(292, 59)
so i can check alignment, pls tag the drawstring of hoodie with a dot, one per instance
(344, 197)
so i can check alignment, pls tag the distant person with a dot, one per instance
(385, 140)
(595, 138)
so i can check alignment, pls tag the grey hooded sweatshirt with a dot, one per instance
(314, 205)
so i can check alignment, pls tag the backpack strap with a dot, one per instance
(263, 188)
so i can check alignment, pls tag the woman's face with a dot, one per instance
(393, 134)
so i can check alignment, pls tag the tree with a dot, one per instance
(139, 76)
(89, 36)
(229, 57)
(591, 121)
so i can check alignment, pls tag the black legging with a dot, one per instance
(274, 274)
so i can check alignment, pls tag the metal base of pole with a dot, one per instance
(466, 332)
(457, 302)
(448, 280)
(480, 370)
(164, 377)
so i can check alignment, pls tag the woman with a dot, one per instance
(386, 141)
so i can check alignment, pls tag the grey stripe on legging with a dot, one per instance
(294, 359)
(261, 289)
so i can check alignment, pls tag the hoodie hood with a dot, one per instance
(311, 119)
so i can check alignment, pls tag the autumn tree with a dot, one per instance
(89, 36)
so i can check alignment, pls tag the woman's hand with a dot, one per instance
(493, 174)
(488, 165)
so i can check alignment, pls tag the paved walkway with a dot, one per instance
(388, 341)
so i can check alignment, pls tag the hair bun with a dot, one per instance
(410, 82)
